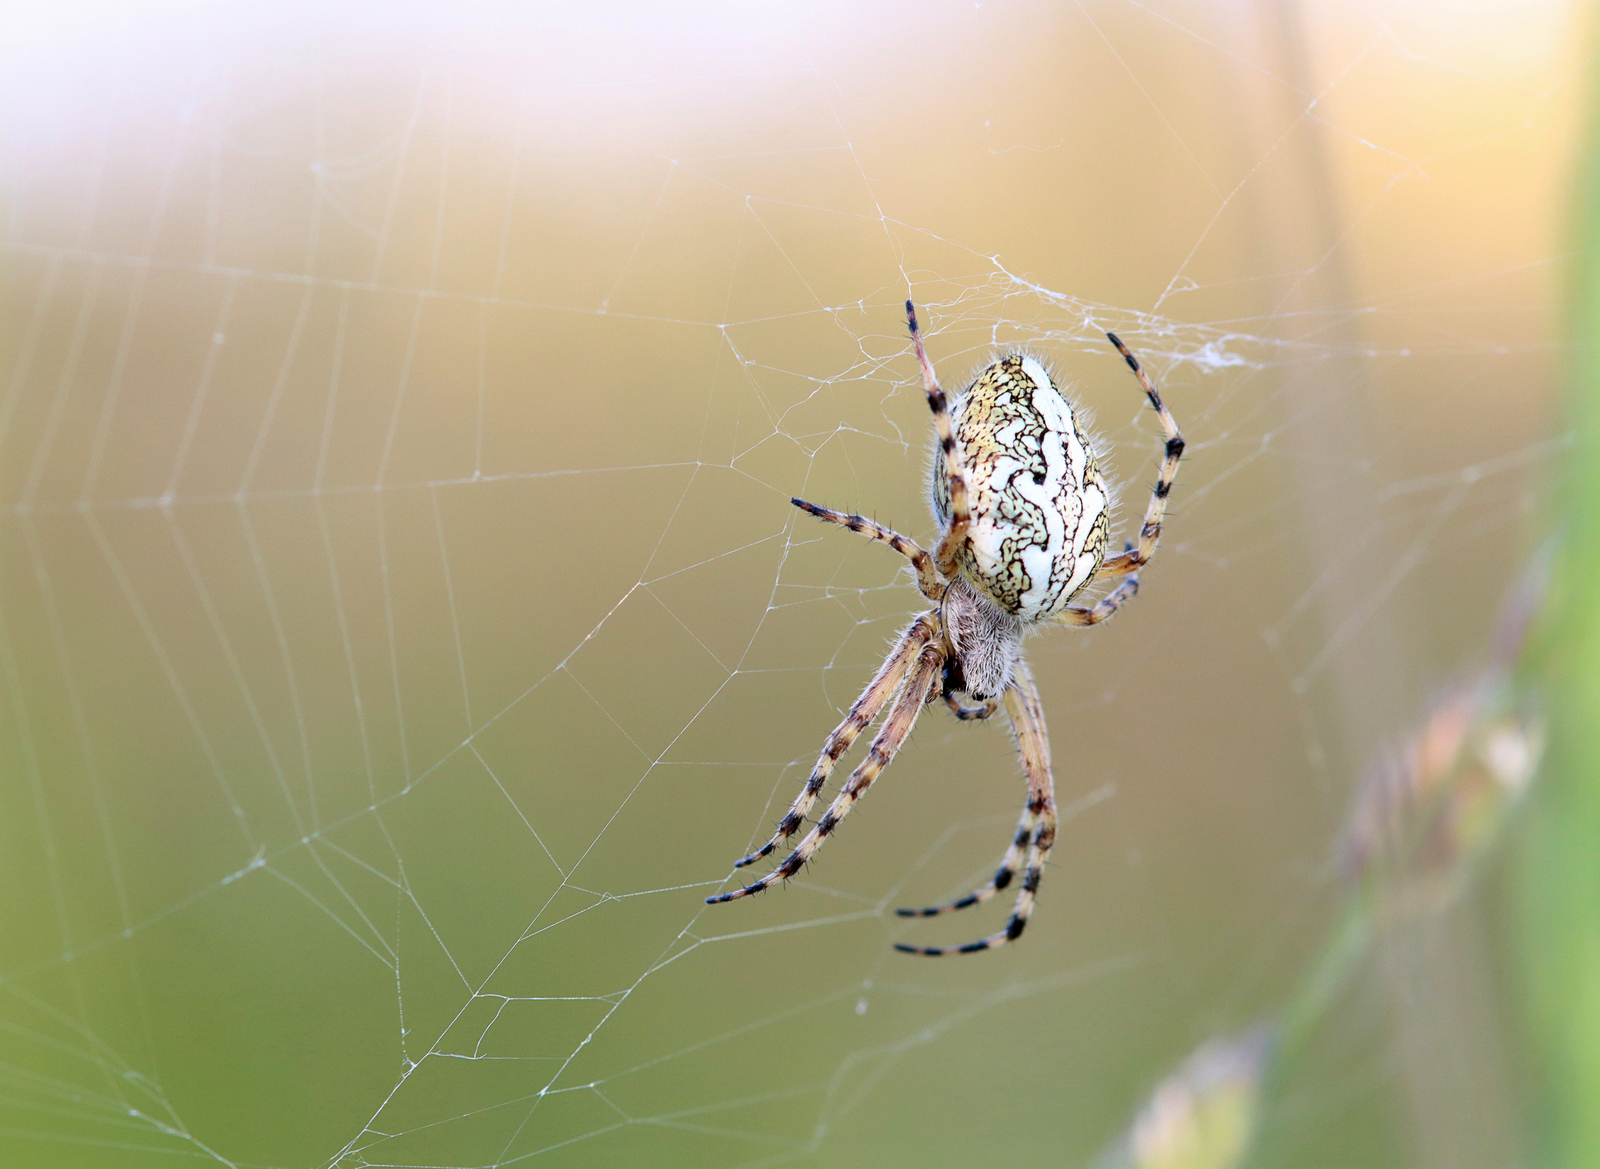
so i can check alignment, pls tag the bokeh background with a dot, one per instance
(404, 625)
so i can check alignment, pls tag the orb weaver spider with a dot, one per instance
(1023, 514)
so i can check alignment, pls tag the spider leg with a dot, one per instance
(927, 576)
(1126, 588)
(960, 517)
(891, 736)
(862, 713)
(1150, 532)
(1009, 864)
(1033, 745)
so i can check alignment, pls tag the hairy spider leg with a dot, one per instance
(1102, 609)
(960, 517)
(1150, 532)
(862, 714)
(1033, 745)
(1009, 864)
(927, 576)
(891, 736)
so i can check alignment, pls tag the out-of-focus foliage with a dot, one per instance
(1424, 817)
(1560, 905)
(1203, 1115)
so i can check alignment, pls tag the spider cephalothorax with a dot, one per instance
(985, 641)
(1023, 514)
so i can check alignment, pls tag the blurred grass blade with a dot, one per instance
(1560, 939)
(1204, 1114)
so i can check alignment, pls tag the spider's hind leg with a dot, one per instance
(1106, 607)
(955, 536)
(1150, 532)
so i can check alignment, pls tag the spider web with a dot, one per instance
(404, 625)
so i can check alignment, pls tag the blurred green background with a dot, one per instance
(404, 625)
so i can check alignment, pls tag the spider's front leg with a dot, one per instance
(892, 735)
(862, 714)
(1035, 835)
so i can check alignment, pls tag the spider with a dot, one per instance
(1023, 514)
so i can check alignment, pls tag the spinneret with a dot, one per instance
(1024, 516)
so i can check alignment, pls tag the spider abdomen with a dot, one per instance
(1040, 508)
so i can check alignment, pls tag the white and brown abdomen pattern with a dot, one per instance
(1040, 509)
